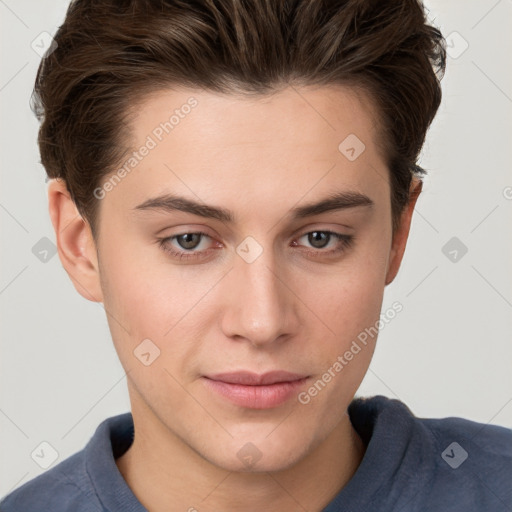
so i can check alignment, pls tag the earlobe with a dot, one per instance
(402, 233)
(76, 247)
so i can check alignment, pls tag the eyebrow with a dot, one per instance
(336, 201)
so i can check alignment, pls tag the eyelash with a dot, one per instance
(345, 242)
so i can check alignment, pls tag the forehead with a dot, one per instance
(292, 116)
(203, 143)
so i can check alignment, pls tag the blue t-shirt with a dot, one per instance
(411, 464)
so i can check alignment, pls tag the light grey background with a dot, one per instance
(448, 353)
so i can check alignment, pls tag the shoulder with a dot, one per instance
(481, 438)
(474, 464)
(83, 481)
(484, 440)
(61, 488)
(451, 464)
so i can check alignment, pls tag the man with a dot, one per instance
(235, 182)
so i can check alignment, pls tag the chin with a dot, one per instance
(263, 465)
(245, 456)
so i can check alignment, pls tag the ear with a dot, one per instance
(402, 233)
(75, 244)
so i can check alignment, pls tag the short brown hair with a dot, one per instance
(110, 53)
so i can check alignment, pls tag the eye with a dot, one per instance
(187, 243)
(186, 246)
(319, 240)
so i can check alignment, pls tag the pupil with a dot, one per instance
(316, 236)
(187, 240)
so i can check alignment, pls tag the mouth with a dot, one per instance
(256, 391)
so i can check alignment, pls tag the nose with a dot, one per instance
(261, 308)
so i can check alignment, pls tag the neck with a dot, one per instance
(165, 474)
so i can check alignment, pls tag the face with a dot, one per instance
(250, 280)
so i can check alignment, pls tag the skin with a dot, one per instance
(286, 310)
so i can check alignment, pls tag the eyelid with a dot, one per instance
(336, 230)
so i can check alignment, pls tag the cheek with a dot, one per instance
(350, 305)
(149, 298)
(144, 290)
(351, 297)
(349, 302)
(347, 346)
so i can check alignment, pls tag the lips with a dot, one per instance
(253, 390)
(254, 379)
